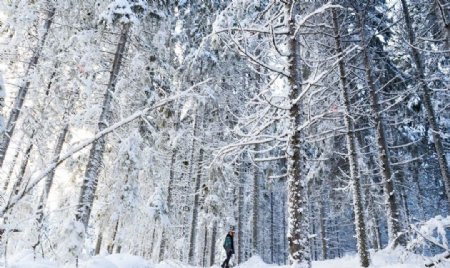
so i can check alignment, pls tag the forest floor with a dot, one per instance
(381, 259)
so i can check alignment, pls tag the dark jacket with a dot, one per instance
(228, 245)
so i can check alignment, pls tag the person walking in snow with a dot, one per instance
(228, 245)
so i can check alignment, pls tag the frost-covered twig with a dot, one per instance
(255, 60)
(315, 12)
(251, 30)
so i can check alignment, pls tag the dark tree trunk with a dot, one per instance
(212, 252)
(49, 181)
(360, 225)
(393, 215)
(255, 208)
(98, 244)
(12, 166)
(297, 188)
(194, 222)
(90, 181)
(23, 166)
(426, 94)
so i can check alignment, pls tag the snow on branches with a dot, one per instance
(124, 12)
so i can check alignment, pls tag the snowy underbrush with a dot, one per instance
(387, 258)
(431, 238)
(398, 258)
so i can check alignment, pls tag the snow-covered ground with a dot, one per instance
(382, 259)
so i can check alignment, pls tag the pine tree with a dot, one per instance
(352, 154)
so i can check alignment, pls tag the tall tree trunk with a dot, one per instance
(426, 94)
(205, 244)
(240, 233)
(392, 209)
(98, 244)
(49, 181)
(255, 208)
(285, 240)
(297, 188)
(48, 185)
(375, 232)
(149, 252)
(197, 183)
(12, 166)
(194, 222)
(272, 228)
(162, 246)
(89, 186)
(23, 90)
(322, 226)
(23, 166)
(441, 12)
(360, 225)
(312, 230)
(171, 178)
(111, 246)
(416, 180)
(338, 240)
(173, 159)
(212, 252)
(190, 176)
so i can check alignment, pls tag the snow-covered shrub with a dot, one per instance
(72, 246)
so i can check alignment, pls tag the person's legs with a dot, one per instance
(227, 264)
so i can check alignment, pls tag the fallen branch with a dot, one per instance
(445, 257)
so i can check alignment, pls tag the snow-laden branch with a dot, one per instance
(269, 159)
(232, 148)
(315, 12)
(251, 30)
(318, 77)
(35, 178)
(434, 231)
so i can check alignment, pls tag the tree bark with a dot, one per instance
(212, 252)
(111, 246)
(194, 222)
(197, 182)
(255, 208)
(23, 166)
(392, 209)
(272, 227)
(98, 244)
(12, 166)
(360, 225)
(441, 12)
(297, 188)
(162, 246)
(426, 94)
(48, 185)
(90, 181)
(49, 181)
(322, 226)
(240, 233)
(205, 245)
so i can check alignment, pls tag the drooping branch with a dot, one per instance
(35, 178)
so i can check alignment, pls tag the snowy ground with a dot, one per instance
(382, 259)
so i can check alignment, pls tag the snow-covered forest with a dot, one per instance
(317, 129)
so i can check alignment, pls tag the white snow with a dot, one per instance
(398, 258)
